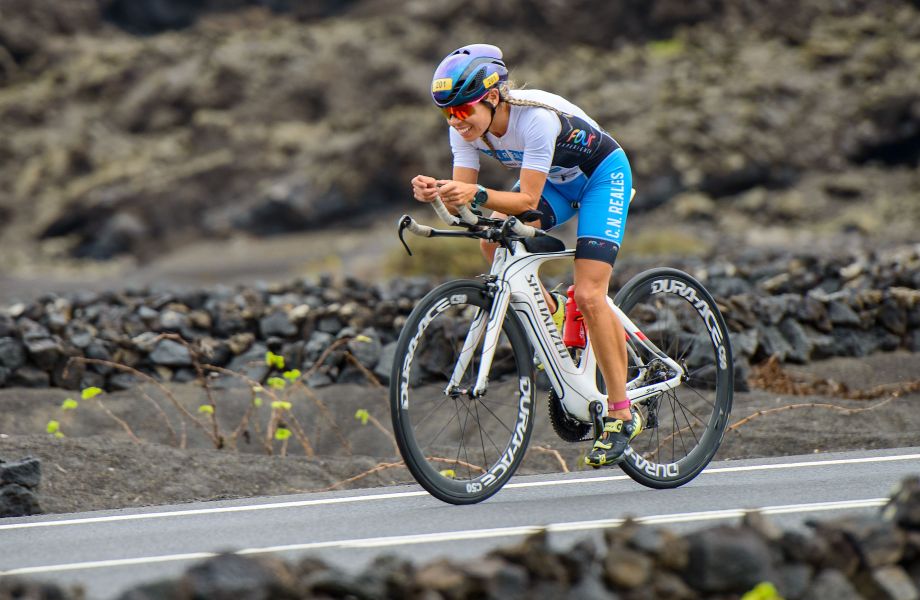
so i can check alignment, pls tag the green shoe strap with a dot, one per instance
(559, 313)
(614, 426)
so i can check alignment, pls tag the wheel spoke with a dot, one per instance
(443, 427)
(462, 445)
(684, 407)
(497, 418)
(432, 411)
(491, 441)
(678, 403)
(702, 397)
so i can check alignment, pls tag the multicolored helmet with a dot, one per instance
(467, 74)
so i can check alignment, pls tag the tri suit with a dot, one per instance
(587, 171)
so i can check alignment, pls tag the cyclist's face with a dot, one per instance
(477, 119)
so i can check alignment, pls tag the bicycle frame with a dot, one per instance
(516, 286)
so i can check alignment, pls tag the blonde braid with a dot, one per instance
(503, 92)
(506, 97)
(486, 141)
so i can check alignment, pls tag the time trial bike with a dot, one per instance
(462, 387)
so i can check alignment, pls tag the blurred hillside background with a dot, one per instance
(276, 137)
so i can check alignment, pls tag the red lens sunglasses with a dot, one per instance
(461, 112)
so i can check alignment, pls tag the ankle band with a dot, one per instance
(620, 405)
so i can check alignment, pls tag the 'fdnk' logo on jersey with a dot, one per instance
(582, 137)
(577, 139)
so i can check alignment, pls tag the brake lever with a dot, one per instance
(403, 224)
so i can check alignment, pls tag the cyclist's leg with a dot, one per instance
(601, 224)
(607, 337)
(556, 209)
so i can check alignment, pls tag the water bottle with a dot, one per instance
(573, 330)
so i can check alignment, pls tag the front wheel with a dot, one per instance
(460, 448)
(684, 426)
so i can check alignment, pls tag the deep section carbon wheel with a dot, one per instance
(683, 426)
(460, 447)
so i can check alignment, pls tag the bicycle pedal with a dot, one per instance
(596, 409)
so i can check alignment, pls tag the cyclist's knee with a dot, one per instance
(591, 297)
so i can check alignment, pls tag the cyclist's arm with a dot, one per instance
(514, 203)
(463, 187)
(466, 174)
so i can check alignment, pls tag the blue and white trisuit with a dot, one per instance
(587, 171)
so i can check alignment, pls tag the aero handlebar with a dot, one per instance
(468, 217)
(490, 229)
(523, 229)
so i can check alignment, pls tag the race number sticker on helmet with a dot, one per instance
(490, 80)
(442, 85)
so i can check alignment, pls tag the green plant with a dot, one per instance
(274, 360)
(763, 591)
(90, 392)
(276, 383)
(54, 428)
(666, 49)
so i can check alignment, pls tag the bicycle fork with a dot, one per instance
(487, 326)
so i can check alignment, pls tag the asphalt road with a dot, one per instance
(109, 551)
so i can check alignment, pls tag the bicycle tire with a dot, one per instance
(425, 356)
(655, 300)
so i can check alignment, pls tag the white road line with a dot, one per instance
(397, 495)
(215, 510)
(796, 465)
(427, 538)
(814, 463)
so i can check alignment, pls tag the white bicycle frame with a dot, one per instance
(518, 288)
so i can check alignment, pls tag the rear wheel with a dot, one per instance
(462, 449)
(683, 426)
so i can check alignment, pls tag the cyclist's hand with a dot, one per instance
(456, 193)
(424, 188)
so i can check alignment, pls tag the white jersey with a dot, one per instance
(562, 146)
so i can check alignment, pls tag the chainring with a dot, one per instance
(567, 428)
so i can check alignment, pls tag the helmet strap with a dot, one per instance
(492, 109)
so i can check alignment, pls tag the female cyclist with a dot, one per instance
(568, 165)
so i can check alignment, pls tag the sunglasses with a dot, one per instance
(461, 112)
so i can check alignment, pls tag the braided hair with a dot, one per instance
(504, 93)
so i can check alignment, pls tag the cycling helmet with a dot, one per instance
(467, 74)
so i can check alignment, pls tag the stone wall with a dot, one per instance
(19, 482)
(797, 308)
